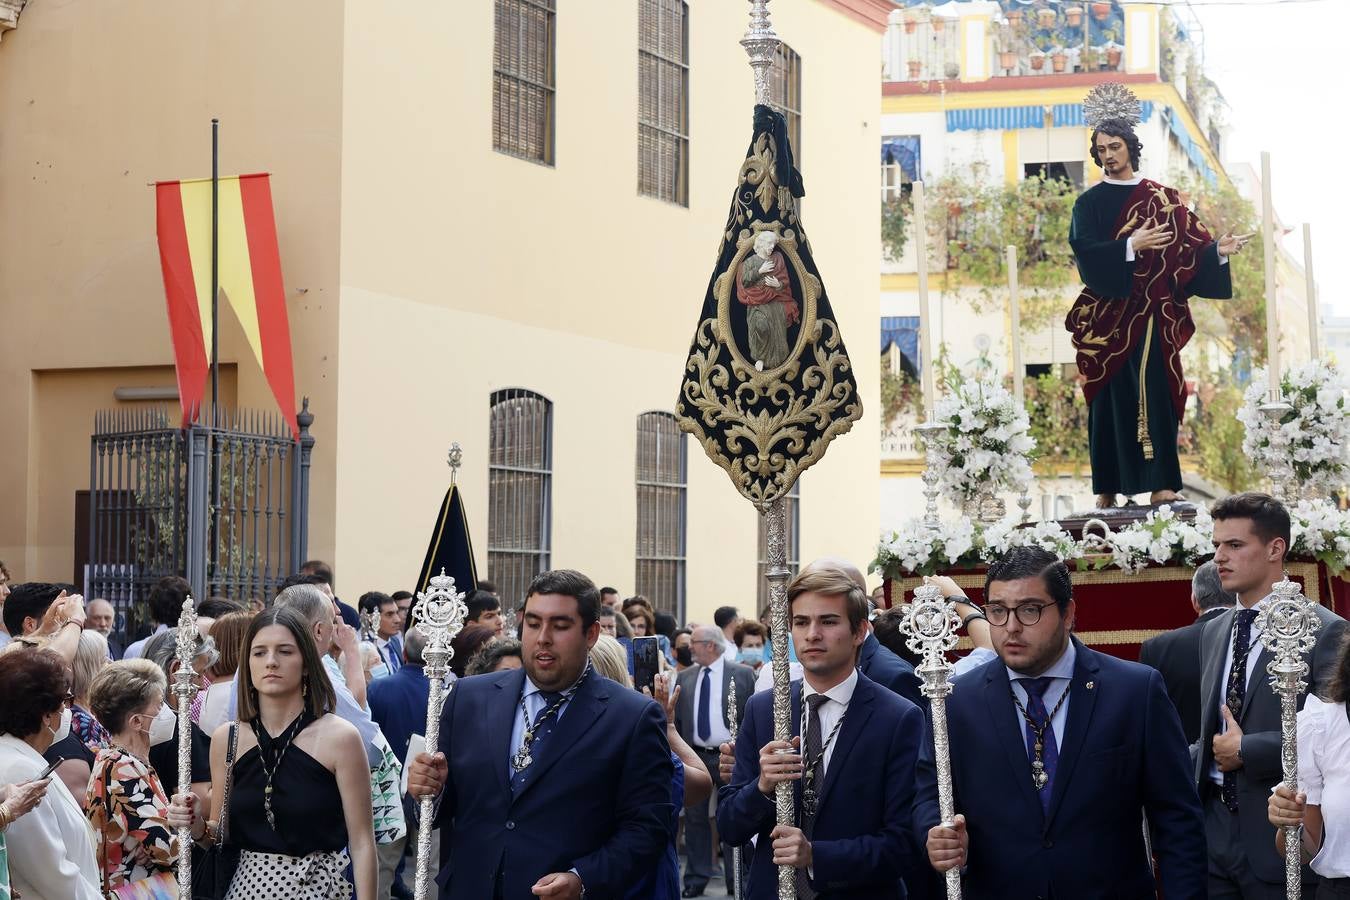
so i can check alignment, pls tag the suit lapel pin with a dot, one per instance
(1090, 685)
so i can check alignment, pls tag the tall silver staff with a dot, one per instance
(439, 614)
(735, 729)
(929, 626)
(186, 638)
(1288, 624)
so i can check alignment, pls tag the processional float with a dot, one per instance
(768, 383)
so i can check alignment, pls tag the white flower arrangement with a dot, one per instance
(1161, 538)
(1318, 427)
(986, 444)
(1321, 531)
(914, 549)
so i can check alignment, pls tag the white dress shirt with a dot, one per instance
(1256, 646)
(730, 651)
(1324, 775)
(134, 651)
(51, 849)
(534, 705)
(388, 654)
(830, 713)
(764, 678)
(1062, 672)
(719, 733)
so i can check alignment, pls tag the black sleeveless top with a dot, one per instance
(305, 802)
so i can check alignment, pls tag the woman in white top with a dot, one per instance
(1322, 805)
(51, 850)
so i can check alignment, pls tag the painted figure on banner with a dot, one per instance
(765, 291)
(1142, 255)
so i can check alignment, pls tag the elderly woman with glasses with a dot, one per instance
(161, 650)
(51, 849)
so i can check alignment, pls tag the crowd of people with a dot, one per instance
(1075, 774)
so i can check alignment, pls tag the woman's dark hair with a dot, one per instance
(215, 607)
(666, 624)
(1338, 691)
(34, 684)
(1121, 129)
(637, 611)
(319, 696)
(1269, 518)
(749, 628)
(1033, 562)
(466, 644)
(228, 632)
(490, 654)
(569, 583)
(886, 626)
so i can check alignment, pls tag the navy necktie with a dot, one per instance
(1036, 688)
(541, 730)
(1237, 692)
(705, 707)
(395, 653)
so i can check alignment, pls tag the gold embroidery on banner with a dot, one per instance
(1145, 439)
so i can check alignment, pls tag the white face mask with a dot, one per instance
(162, 726)
(63, 730)
(379, 671)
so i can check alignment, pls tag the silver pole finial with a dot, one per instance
(760, 43)
(455, 459)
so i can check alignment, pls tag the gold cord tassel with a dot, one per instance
(1143, 436)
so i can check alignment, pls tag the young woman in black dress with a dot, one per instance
(299, 795)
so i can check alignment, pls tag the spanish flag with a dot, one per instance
(249, 273)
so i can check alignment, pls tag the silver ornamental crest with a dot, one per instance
(439, 615)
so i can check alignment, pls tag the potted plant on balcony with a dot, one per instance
(1091, 58)
(1037, 59)
(910, 24)
(938, 23)
(915, 67)
(1007, 59)
(1014, 17)
(1101, 9)
(1113, 54)
(1059, 59)
(1045, 17)
(1073, 15)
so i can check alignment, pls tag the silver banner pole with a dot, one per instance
(186, 638)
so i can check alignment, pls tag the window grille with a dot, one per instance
(793, 520)
(662, 495)
(523, 79)
(663, 100)
(785, 94)
(520, 483)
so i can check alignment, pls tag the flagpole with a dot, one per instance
(215, 271)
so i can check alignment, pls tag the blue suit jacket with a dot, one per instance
(890, 671)
(1123, 752)
(398, 704)
(597, 797)
(861, 845)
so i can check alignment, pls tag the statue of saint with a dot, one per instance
(762, 286)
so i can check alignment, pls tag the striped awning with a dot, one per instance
(998, 118)
(1070, 115)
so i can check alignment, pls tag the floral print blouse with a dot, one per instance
(88, 729)
(129, 812)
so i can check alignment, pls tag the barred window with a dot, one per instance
(793, 521)
(662, 493)
(520, 490)
(785, 94)
(522, 79)
(663, 100)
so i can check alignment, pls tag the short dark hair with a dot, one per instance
(606, 591)
(402, 595)
(34, 684)
(1207, 589)
(490, 654)
(643, 613)
(607, 612)
(166, 599)
(666, 624)
(468, 642)
(746, 629)
(320, 698)
(1338, 691)
(1033, 562)
(215, 607)
(29, 599)
(569, 583)
(483, 584)
(1123, 130)
(320, 568)
(371, 601)
(298, 578)
(1269, 518)
(638, 600)
(724, 616)
(886, 626)
(480, 601)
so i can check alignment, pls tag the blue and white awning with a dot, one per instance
(1003, 118)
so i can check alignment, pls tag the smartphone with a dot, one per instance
(646, 662)
(50, 769)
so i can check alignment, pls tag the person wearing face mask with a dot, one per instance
(51, 849)
(125, 801)
(750, 639)
(684, 651)
(74, 755)
(162, 651)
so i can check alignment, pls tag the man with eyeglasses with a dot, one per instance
(1060, 756)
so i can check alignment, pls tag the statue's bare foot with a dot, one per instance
(1106, 501)
(759, 365)
(1158, 497)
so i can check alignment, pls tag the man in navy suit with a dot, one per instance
(553, 781)
(398, 702)
(851, 761)
(1056, 751)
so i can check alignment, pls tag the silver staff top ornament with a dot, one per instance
(930, 625)
(439, 614)
(1288, 624)
(1111, 100)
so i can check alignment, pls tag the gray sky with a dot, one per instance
(1282, 67)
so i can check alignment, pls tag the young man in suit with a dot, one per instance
(1055, 750)
(552, 780)
(1237, 758)
(704, 718)
(851, 761)
(1176, 654)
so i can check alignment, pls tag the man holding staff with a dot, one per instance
(1056, 750)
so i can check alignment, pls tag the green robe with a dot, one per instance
(1118, 463)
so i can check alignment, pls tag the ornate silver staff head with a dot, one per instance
(186, 639)
(760, 43)
(930, 626)
(370, 624)
(439, 614)
(455, 459)
(1288, 624)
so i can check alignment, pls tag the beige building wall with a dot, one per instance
(465, 271)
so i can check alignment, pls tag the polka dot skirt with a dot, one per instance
(274, 876)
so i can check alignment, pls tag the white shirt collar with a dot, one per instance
(715, 667)
(841, 693)
(1135, 180)
(1062, 667)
